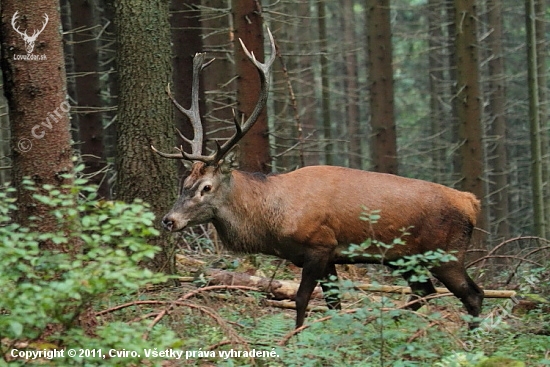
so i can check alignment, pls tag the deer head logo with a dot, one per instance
(29, 40)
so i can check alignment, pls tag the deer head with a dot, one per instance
(29, 40)
(205, 188)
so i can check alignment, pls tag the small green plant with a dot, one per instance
(46, 294)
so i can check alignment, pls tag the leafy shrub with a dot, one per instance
(46, 293)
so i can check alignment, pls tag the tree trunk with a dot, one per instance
(145, 114)
(186, 42)
(383, 141)
(110, 90)
(469, 102)
(325, 99)
(35, 87)
(220, 91)
(453, 89)
(247, 23)
(497, 110)
(85, 19)
(436, 77)
(352, 107)
(540, 25)
(68, 47)
(534, 121)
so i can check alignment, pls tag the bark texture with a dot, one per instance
(247, 23)
(383, 136)
(35, 87)
(145, 114)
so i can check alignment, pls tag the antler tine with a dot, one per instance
(15, 26)
(44, 23)
(168, 155)
(192, 113)
(264, 70)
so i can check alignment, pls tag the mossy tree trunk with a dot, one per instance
(145, 114)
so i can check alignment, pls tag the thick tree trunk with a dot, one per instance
(247, 23)
(35, 87)
(145, 114)
(383, 140)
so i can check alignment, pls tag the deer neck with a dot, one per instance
(246, 219)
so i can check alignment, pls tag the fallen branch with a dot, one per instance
(286, 289)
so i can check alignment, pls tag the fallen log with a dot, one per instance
(286, 289)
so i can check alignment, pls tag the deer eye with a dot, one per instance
(207, 188)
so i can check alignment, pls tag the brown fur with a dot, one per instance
(312, 215)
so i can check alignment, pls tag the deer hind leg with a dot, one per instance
(330, 288)
(454, 277)
(419, 290)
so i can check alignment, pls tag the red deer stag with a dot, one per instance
(311, 216)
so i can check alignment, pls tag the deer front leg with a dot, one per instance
(314, 269)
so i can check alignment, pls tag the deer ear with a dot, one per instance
(230, 161)
(187, 164)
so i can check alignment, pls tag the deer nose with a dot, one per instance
(167, 223)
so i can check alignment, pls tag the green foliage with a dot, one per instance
(420, 263)
(49, 290)
(417, 264)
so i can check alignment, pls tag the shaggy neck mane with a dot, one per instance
(245, 224)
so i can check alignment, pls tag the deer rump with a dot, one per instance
(312, 215)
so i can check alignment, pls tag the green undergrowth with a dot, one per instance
(98, 297)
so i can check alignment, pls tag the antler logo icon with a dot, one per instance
(29, 40)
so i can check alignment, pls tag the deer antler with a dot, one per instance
(192, 113)
(35, 33)
(194, 116)
(15, 27)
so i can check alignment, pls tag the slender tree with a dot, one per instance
(352, 107)
(218, 85)
(468, 101)
(186, 42)
(436, 77)
(35, 87)
(383, 141)
(145, 114)
(534, 121)
(248, 26)
(540, 31)
(85, 29)
(497, 114)
(325, 99)
(5, 174)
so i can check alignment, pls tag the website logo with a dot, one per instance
(29, 40)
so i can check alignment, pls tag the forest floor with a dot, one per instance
(250, 328)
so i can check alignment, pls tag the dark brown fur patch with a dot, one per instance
(197, 171)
